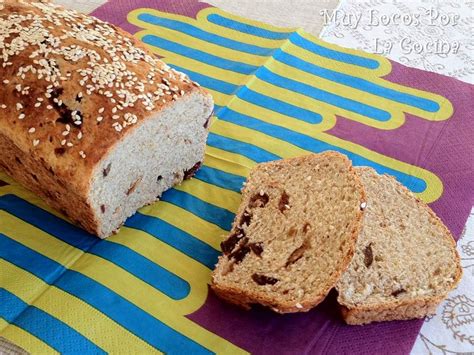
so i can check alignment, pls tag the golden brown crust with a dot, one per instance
(74, 86)
(245, 297)
(417, 307)
(71, 88)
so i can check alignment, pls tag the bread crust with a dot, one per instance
(245, 298)
(62, 125)
(404, 309)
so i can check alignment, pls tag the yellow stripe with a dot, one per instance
(79, 315)
(234, 158)
(182, 219)
(433, 189)
(202, 23)
(24, 340)
(225, 165)
(213, 194)
(128, 286)
(362, 96)
(198, 44)
(383, 69)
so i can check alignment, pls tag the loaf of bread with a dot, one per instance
(405, 262)
(89, 120)
(293, 235)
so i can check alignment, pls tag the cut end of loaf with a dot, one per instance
(293, 235)
(405, 262)
(157, 155)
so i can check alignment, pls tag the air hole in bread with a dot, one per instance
(102, 208)
(78, 99)
(35, 177)
(159, 178)
(50, 139)
(18, 160)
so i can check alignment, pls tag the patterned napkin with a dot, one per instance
(279, 93)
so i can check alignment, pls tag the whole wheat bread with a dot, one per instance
(405, 262)
(293, 235)
(90, 120)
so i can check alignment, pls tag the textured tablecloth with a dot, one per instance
(464, 242)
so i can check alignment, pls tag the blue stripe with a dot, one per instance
(49, 329)
(208, 82)
(100, 297)
(305, 142)
(249, 95)
(353, 59)
(196, 32)
(295, 86)
(357, 83)
(220, 178)
(254, 97)
(175, 237)
(199, 55)
(211, 213)
(134, 263)
(249, 150)
(246, 28)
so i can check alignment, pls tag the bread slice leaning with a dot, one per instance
(406, 260)
(293, 235)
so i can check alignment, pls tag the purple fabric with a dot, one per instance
(423, 143)
(321, 330)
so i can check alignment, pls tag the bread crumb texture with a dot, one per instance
(68, 78)
(293, 235)
(405, 261)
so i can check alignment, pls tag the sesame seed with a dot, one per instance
(19, 106)
(101, 110)
(32, 130)
(79, 135)
(38, 104)
(35, 142)
(82, 154)
(21, 116)
(63, 142)
(6, 81)
(69, 144)
(100, 118)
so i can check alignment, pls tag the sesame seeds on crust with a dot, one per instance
(71, 79)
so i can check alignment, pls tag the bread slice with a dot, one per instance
(406, 260)
(293, 235)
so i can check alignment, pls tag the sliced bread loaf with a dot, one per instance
(406, 260)
(293, 235)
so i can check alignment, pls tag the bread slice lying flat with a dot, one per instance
(406, 260)
(293, 235)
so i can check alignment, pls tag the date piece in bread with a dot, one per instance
(293, 235)
(405, 262)
(89, 120)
